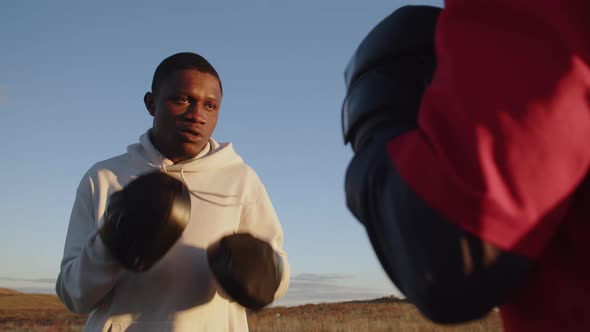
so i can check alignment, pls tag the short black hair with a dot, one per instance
(180, 61)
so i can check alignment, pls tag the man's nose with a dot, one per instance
(196, 113)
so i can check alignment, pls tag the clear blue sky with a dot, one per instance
(72, 78)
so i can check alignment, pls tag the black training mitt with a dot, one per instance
(248, 269)
(144, 220)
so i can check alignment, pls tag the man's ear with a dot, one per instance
(148, 100)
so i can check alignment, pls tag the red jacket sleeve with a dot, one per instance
(504, 129)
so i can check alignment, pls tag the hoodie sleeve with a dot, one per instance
(88, 272)
(260, 220)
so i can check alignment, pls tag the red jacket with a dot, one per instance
(503, 146)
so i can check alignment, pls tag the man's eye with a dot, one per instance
(210, 106)
(181, 100)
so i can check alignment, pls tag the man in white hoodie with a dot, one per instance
(179, 293)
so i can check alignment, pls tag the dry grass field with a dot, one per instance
(36, 312)
(45, 313)
(386, 314)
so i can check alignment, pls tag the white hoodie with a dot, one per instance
(178, 293)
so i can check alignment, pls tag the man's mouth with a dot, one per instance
(191, 135)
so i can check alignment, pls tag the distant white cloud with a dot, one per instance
(29, 285)
(319, 288)
(319, 278)
(38, 280)
(35, 290)
(304, 288)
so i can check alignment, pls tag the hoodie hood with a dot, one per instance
(214, 156)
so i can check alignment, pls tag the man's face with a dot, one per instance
(185, 110)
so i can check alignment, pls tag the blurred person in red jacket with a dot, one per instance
(471, 132)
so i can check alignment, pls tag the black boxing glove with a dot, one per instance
(144, 220)
(387, 76)
(247, 269)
